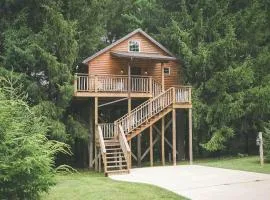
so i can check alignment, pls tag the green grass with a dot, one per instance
(90, 185)
(251, 163)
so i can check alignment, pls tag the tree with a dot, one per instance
(27, 157)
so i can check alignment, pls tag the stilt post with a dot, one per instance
(163, 141)
(190, 135)
(151, 145)
(174, 136)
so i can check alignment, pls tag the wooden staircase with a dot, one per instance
(115, 158)
(116, 153)
(147, 113)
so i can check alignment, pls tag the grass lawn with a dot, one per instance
(90, 185)
(251, 163)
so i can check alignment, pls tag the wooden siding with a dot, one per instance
(105, 64)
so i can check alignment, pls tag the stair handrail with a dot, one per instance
(124, 146)
(151, 107)
(156, 88)
(102, 147)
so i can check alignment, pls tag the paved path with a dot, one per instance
(204, 183)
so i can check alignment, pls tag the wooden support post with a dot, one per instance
(151, 145)
(261, 149)
(162, 77)
(174, 136)
(99, 161)
(190, 135)
(96, 124)
(129, 106)
(162, 141)
(96, 158)
(139, 150)
(91, 137)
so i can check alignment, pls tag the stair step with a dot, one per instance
(115, 157)
(113, 153)
(114, 172)
(117, 161)
(111, 140)
(116, 166)
(112, 145)
(114, 149)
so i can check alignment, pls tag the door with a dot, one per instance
(136, 71)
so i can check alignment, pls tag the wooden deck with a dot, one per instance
(117, 86)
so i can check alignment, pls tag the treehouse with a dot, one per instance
(134, 89)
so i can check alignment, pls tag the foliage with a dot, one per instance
(266, 141)
(223, 45)
(26, 155)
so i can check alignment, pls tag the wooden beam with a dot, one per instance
(96, 124)
(91, 136)
(129, 111)
(151, 145)
(99, 162)
(162, 141)
(190, 135)
(139, 150)
(166, 140)
(148, 149)
(174, 136)
(162, 77)
(111, 102)
(133, 155)
(96, 158)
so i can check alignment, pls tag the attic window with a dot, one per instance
(134, 46)
(167, 71)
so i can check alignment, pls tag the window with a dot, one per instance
(134, 46)
(167, 71)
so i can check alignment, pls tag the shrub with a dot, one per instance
(266, 142)
(26, 155)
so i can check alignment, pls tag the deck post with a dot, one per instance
(162, 77)
(190, 135)
(91, 137)
(96, 125)
(174, 136)
(139, 150)
(162, 140)
(151, 145)
(99, 161)
(129, 106)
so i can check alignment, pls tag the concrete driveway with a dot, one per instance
(200, 182)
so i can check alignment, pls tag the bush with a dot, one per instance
(26, 155)
(266, 142)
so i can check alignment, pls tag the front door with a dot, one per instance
(136, 71)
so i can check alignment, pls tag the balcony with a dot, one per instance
(117, 86)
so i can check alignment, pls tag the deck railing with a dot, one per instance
(112, 83)
(108, 130)
(156, 87)
(183, 94)
(124, 146)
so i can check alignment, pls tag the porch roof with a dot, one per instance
(145, 56)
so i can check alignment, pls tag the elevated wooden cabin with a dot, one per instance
(138, 74)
